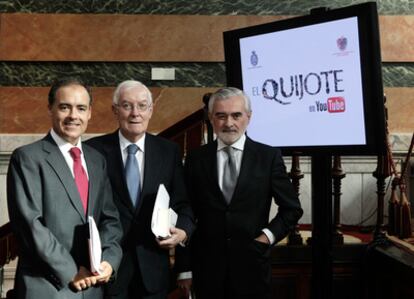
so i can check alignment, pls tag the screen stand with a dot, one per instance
(321, 227)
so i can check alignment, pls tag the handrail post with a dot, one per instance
(295, 174)
(337, 176)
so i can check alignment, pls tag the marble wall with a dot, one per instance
(210, 7)
(197, 74)
(30, 61)
(203, 74)
(25, 77)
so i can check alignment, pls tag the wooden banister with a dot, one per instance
(8, 246)
(188, 133)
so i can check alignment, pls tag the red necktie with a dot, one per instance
(81, 178)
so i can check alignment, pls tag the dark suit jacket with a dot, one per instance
(224, 240)
(49, 221)
(163, 165)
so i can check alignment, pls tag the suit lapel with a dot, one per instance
(59, 165)
(209, 166)
(115, 166)
(152, 163)
(247, 164)
(91, 164)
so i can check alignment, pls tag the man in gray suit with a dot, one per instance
(53, 185)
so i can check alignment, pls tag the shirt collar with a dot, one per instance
(64, 145)
(124, 143)
(239, 144)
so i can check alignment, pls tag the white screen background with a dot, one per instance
(304, 50)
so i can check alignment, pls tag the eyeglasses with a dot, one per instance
(142, 107)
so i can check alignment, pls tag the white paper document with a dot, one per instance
(163, 217)
(95, 249)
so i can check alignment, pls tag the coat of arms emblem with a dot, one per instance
(341, 43)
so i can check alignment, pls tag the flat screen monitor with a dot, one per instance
(314, 81)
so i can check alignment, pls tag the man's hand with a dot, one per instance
(83, 279)
(263, 239)
(177, 236)
(185, 286)
(106, 270)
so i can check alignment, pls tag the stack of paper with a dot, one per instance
(95, 249)
(163, 217)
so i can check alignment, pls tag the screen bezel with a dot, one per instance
(371, 73)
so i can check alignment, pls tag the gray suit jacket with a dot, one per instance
(49, 222)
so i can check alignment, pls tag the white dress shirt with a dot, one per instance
(65, 147)
(222, 158)
(124, 143)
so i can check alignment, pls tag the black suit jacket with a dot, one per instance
(163, 165)
(49, 221)
(223, 244)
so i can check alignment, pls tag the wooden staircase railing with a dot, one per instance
(188, 133)
(8, 245)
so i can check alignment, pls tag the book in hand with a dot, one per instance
(95, 249)
(163, 217)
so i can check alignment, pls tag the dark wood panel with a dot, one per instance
(390, 272)
(292, 272)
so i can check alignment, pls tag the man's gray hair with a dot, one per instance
(129, 84)
(226, 92)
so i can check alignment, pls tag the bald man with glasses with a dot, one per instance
(138, 163)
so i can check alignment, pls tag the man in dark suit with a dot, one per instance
(231, 184)
(144, 270)
(53, 185)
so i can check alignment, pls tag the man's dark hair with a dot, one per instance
(66, 82)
